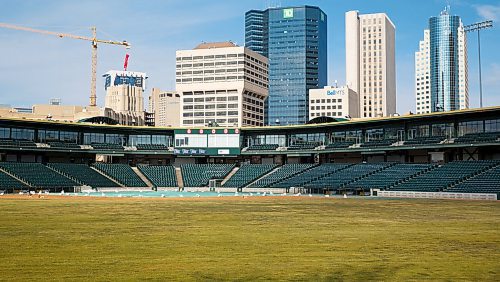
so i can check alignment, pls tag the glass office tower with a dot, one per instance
(444, 61)
(295, 41)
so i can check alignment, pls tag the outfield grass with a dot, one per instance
(248, 239)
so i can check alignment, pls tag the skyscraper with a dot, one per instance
(221, 83)
(295, 41)
(422, 76)
(370, 62)
(124, 95)
(448, 63)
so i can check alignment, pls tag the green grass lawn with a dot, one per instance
(249, 239)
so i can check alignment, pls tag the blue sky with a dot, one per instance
(35, 67)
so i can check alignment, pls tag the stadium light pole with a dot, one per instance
(477, 27)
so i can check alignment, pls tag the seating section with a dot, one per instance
(339, 145)
(248, 173)
(151, 147)
(302, 146)
(160, 175)
(337, 181)
(478, 138)
(7, 182)
(378, 143)
(38, 175)
(284, 172)
(444, 176)
(64, 145)
(263, 147)
(307, 176)
(83, 174)
(198, 175)
(17, 143)
(390, 176)
(122, 173)
(106, 146)
(424, 141)
(487, 182)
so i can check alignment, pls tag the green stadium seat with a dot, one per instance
(39, 176)
(83, 174)
(284, 172)
(198, 175)
(160, 175)
(248, 173)
(443, 177)
(122, 173)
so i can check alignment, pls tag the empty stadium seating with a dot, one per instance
(336, 181)
(151, 147)
(263, 147)
(17, 143)
(160, 175)
(284, 172)
(302, 146)
(477, 138)
(83, 174)
(444, 176)
(39, 176)
(390, 176)
(424, 141)
(338, 145)
(198, 175)
(63, 145)
(309, 175)
(122, 173)
(378, 143)
(107, 146)
(248, 173)
(9, 183)
(486, 182)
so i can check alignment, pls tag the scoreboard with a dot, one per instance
(207, 141)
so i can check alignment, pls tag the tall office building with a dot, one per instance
(370, 62)
(165, 107)
(124, 95)
(448, 63)
(221, 83)
(422, 76)
(295, 41)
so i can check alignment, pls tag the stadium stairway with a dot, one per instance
(281, 173)
(142, 177)
(263, 176)
(14, 179)
(107, 176)
(235, 170)
(312, 174)
(487, 181)
(178, 175)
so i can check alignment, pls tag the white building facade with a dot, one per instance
(222, 84)
(336, 102)
(165, 105)
(423, 76)
(370, 62)
(124, 95)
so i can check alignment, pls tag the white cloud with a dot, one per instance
(488, 12)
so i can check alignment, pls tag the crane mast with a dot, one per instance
(94, 41)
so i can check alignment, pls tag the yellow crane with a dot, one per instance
(93, 40)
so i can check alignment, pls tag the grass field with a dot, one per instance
(270, 238)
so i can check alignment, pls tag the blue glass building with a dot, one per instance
(444, 62)
(295, 41)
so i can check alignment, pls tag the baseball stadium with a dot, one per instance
(409, 197)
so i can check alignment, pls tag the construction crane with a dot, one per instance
(94, 41)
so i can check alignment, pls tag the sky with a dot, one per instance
(36, 67)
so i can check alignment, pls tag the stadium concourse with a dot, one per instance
(455, 152)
